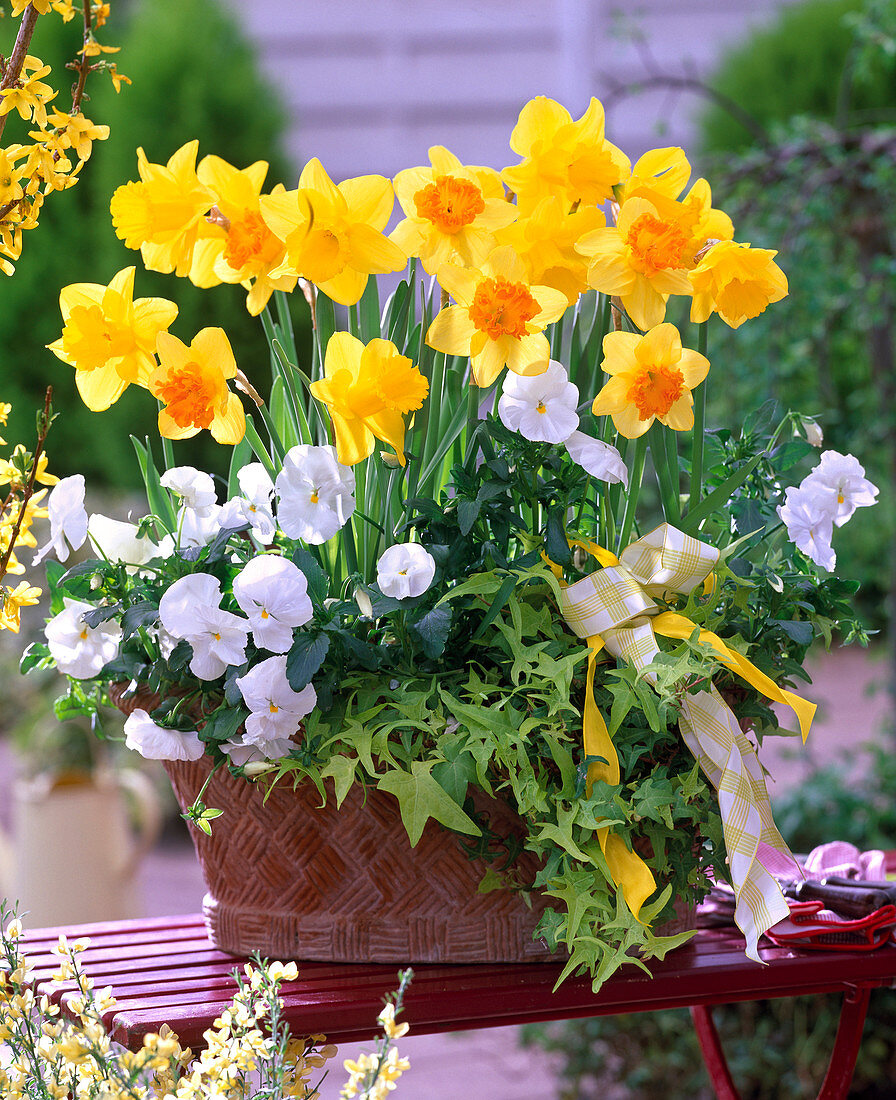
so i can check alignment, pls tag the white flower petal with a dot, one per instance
(154, 742)
(315, 494)
(405, 570)
(68, 519)
(596, 458)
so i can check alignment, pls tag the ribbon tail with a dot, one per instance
(630, 873)
(596, 738)
(711, 732)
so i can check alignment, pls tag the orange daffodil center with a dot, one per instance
(651, 378)
(499, 318)
(368, 391)
(449, 203)
(656, 245)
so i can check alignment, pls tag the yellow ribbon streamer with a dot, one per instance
(613, 607)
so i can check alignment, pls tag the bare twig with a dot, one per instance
(19, 53)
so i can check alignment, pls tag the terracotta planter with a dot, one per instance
(293, 880)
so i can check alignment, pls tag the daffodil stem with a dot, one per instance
(634, 491)
(696, 485)
(659, 451)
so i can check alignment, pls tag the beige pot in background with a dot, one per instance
(73, 855)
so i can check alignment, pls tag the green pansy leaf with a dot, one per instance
(432, 629)
(318, 585)
(467, 514)
(305, 658)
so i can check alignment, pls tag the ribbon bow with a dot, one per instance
(613, 607)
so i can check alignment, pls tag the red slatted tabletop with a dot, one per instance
(165, 970)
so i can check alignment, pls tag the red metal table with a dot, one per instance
(164, 970)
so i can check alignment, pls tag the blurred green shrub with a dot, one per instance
(820, 191)
(194, 76)
(817, 58)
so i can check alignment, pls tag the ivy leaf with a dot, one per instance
(455, 772)
(305, 658)
(432, 629)
(341, 769)
(420, 797)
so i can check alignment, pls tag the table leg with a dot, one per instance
(843, 1057)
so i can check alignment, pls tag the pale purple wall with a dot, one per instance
(371, 84)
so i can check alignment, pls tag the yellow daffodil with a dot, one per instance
(545, 241)
(368, 391)
(662, 171)
(499, 318)
(108, 337)
(162, 213)
(572, 160)
(333, 234)
(651, 378)
(236, 246)
(736, 281)
(452, 211)
(191, 382)
(13, 600)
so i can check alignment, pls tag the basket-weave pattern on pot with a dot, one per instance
(293, 880)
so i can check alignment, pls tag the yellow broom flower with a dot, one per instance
(368, 390)
(108, 337)
(333, 234)
(191, 382)
(452, 211)
(736, 281)
(651, 378)
(572, 160)
(499, 318)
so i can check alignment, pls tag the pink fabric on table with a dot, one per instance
(846, 861)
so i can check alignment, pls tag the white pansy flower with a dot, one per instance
(80, 650)
(540, 407)
(601, 460)
(314, 493)
(404, 570)
(275, 709)
(154, 742)
(242, 752)
(254, 506)
(839, 481)
(119, 541)
(194, 487)
(68, 519)
(189, 610)
(197, 528)
(273, 592)
(809, 526)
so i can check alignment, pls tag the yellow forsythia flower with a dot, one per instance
(191, 382)
(499, 318)
(651, 378)
(108, 337)
(368, 390)
(14, 599)
(736, 281)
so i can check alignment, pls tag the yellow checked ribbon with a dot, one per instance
(613, 607)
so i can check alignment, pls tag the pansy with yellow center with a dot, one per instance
(334, 234)
(162, 213)
(191, 382)
(368, 390)
(452, 211)
(651, 378)
(499, 318)
(236, 245)
(108, 337)
(572, 160)
(545, 241)
(736, 281)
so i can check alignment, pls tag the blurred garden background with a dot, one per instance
(789, 109)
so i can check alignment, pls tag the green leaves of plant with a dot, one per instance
(420, 797)
(305, 658)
